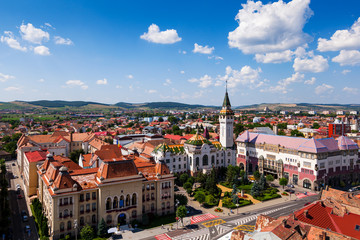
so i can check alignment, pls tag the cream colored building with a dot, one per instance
(120, 191)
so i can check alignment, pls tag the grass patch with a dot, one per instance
(242, 202)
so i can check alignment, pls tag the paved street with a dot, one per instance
(218, 227)
(17, 205)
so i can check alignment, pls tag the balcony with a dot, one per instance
(66, 216)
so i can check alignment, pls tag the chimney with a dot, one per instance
(306, 213)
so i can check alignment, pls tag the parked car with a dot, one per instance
(192, 226)
(23, 213)
(307, 203)
(289, 191)
(13, 164)
(25, 218)
(27, 229)
(19, 196)
(290, 186)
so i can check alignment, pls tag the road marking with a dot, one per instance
(163, 236)
(202, 218)
(213, 223)
(246, 228)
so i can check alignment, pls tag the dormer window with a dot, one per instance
(357, 227)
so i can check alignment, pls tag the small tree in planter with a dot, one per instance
(283, 182)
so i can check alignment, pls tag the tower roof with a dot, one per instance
(226, 102)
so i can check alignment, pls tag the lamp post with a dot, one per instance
(176, 205)
(75, 226)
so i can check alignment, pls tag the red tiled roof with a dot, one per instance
(36, 156)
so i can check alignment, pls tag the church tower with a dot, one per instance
(226, 120)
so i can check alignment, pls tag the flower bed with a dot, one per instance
(218, 209)
(284, 194)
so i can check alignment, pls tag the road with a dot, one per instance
(17, 205)
(218, 227)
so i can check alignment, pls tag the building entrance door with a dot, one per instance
(122, 219)
(295, 179)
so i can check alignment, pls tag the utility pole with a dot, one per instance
(75, 226)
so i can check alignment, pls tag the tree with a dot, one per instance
(282, 125)
(184, 177)
(173, 120)
(210, 200)
(316, 125)
(181, 213)
(269, 178)
(234, 190)
(187, 186)
(87, 232)
(255, 190)
(281, 133)
(183, 200)
(235, 199)
(200, 196)
(283, 182)
(161, 119)
(262, 182)
(211, 182)
(230, 174)
(296, 133)
(74, 155)
(102, 228)
(257, 175)
(238, 128)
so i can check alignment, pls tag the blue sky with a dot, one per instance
(142, 51)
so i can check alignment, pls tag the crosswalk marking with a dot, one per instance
(247, 228)
(222, 229)
(163, 236)
(213, 223)
(202, 234)
(202, 218)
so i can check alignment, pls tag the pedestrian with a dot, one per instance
(162, 226)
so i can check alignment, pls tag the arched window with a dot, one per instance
(69, 225)
(212, 160)
(62, 226)
(133, 199)
(229, 153)
(152, 196)
(93, 218)
(205, 160)
(108, 203)
(163, 205)
(115, 203)
(197, 161)
(66, 213)
(122, 201)
(127, 200)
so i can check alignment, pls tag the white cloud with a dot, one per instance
(270, 27)
(311, 63)
(102, 81)
(204, 82)
(182, 72)
(5, 77)
(182, 52)
(310, 81)
(33, 34)
(283, 84)
(13, 89)
(49, 25)
(130, 76)
(167, 82)
(151, 91)
(62, 41)
(154, 35)
(348, 57)
(345, 71)
(10, 40)
(274, 57)
(324, 88)
(118, 86)
(215, 57)
(42, 50)
(246, 76)
(76, 83)
(350, 90)
(41, 80)
(342, 39)
(203, 49)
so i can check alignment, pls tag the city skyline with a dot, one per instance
(277, 51)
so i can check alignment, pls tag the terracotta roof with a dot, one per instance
(109, 152)
(116, 169)
(63, 180)
(35, 156)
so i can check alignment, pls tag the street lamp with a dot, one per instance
(75, 226)
(176, 205)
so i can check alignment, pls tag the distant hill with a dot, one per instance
(300, 107)
(59, 103)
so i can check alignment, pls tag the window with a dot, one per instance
(60, 214)
(66, 213)
(127, 200)
(212, 160)
(68, 225)
(184, 165)
(94, 206)
(322, 165)
(81, 221)
(331, 163)
(121, 201)
(190, 160)
(179, 166)
(66, 201)
(93, 218)
(147, 187)
(93, 195)
(108, 219)
(152, 186)
(152, 196)
(133, 200)
(108, 204)
(87, 196)
(143, 209)
(115, 203)
(197, 161)
(174, 167)
(357, 227)
(205, 160)
(62, 226)
(81, 197)
(81, 208)
(152, 207)
(70, 200)
(61, 202)
(167, 161)
(173, 159)
(163, 205)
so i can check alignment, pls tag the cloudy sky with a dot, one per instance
(141, 51)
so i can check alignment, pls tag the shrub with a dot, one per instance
(227, 194)
(210, 200)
